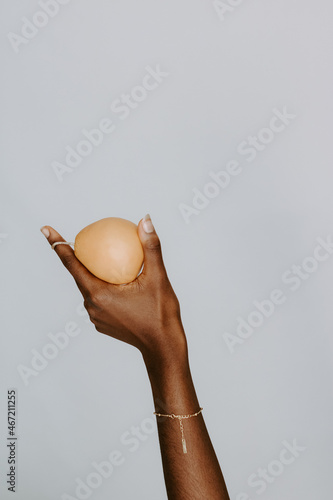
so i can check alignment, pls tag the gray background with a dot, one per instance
(225, 78)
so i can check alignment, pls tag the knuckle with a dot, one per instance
(88, 299)
(91, 311)
(88, 304)
(92, 319)
(98, 299)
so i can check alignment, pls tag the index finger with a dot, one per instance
(85, 280)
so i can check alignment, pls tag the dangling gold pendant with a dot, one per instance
(183, 436)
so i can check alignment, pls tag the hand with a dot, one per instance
(144, 313)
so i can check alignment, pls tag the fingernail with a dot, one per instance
(45, 231)
(147, 224)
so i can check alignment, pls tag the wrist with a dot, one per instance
(172, 386)
(170, 378)
(168, 353)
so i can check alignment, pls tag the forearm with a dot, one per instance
(194, 475)
(146, 314)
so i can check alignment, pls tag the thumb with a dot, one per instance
(153, 260)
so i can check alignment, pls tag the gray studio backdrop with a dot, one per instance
(216, 118)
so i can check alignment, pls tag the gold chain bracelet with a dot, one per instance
(180, 418)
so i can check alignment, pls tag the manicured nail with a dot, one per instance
(147, 224)
(45, 231)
